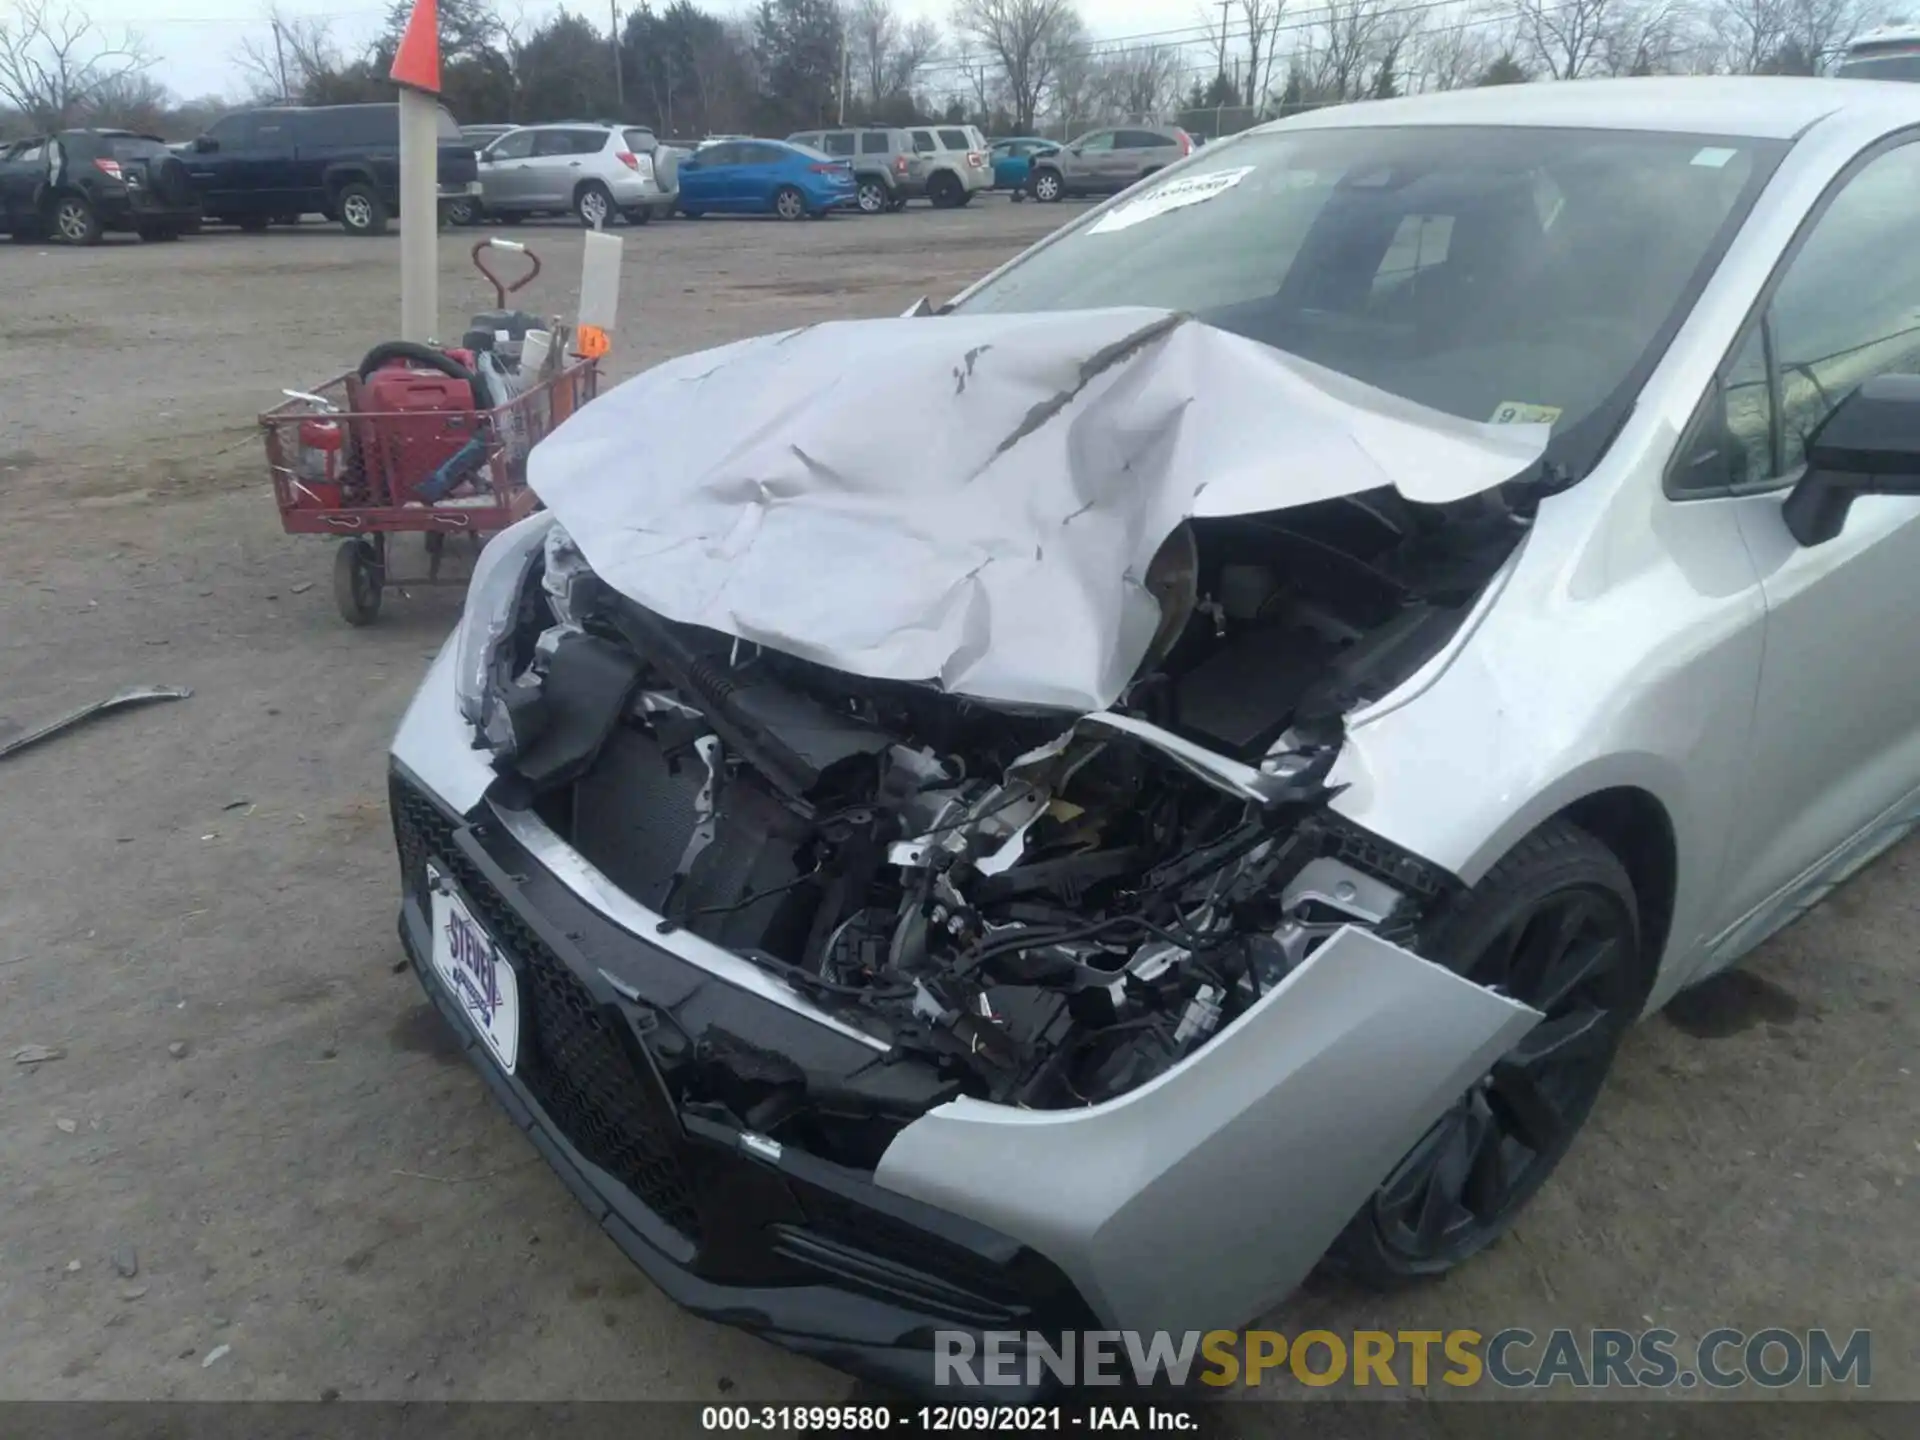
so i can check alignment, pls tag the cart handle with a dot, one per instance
(500, 288)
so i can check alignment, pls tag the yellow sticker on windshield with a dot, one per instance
(1514, 412)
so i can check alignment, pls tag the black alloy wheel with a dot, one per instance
(1554, 925)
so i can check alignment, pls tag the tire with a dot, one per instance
(593, 206)
(1047, 186)
(361, 211)
(871, 196)
(789, 203)
(945, 191)
(253, 224)
(72, 220)
(358, 579)
(1461, 1186)
(464, 211)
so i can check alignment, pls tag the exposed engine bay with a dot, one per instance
(1051, 909)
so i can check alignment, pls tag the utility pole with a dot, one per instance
(1225, 6)
(619, 80)
(846, 68)
(280, 58)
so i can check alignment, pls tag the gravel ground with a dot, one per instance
(257, 1169)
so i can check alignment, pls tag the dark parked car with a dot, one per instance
(255, 167)
(79, 183)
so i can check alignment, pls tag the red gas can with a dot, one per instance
(418, 418)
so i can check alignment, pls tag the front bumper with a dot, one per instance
(810, 1255)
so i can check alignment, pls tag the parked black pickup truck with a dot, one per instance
(255, 167)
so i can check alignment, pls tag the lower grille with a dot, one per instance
(574, 1055)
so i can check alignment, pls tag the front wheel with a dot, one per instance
(361, 210)
(463, 211)
(1554, 925)
(74, 220)
(1047, 186)
(789, 203)
(358, 578)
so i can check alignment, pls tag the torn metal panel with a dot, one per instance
(974, 502)
(1276, 1132)
(134, 695)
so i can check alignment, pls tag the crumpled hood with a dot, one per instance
(972, 500)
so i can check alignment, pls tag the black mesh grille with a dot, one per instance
(573, 1056)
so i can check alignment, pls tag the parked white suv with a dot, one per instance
(598, 172)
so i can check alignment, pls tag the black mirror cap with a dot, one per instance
(1868, 445)
(1875, 431)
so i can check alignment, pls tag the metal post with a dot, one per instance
(419, 215)
(619, 79)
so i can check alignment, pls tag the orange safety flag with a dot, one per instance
(417, 62)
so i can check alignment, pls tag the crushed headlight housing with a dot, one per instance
(487, 626)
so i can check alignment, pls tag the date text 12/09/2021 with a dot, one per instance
(945, 1419)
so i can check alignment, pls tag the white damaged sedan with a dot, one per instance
(1067, 810)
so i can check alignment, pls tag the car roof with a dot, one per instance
(1766, 107)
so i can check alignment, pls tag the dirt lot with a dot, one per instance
(258, 1114)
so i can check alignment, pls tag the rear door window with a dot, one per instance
(1140, 140)
(876, 142)
(923, 142)
(568, 142)
(839, 142)
(356, 125)
(761, 153)
(955, 139)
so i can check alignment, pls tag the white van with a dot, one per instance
(1887, 52)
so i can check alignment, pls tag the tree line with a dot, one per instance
(1011, 66)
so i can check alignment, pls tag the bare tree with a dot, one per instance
(1027, 40)
(1648, 37)
(1262, 21)
(1349, 41)
(1139, 82)
(132, 100)
(54, 62)
(1455, 51)
(296, 52)
(1565, 38)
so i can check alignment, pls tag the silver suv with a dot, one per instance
(1105, 162)
(946, 164)
(598, 172)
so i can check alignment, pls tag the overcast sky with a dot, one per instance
(195, 40)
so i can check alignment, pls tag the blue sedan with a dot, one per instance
(764, 177)
(1013, 159)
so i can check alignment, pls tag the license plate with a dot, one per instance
(472, 968)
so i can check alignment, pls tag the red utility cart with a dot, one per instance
(370, 458)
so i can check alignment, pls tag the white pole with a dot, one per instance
(419, 215)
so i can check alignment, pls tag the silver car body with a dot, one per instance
(1102, 162)
(1749, 705)
(550, 167)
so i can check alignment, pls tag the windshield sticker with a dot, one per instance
(1174, 195)
(1515, 412)
(1714, 156)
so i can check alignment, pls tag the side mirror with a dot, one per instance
(205, 145)
(1868, 445)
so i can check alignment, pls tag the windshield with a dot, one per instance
(1498, 274)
